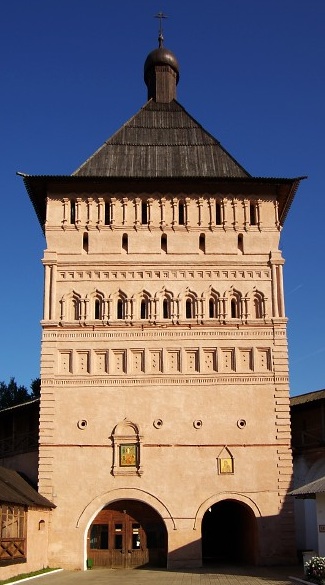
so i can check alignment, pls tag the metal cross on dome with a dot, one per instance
(160, 15)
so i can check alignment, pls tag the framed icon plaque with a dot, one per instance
(226, 465)
(128, 455)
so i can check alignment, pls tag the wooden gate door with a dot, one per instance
(129, 544)
(117, 540)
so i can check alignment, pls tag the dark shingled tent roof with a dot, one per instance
(15, 490)
(161, 141)
(161, 147)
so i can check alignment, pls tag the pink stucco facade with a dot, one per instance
(164, 351)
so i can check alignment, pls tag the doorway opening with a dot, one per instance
(229, 534)
(127, 534)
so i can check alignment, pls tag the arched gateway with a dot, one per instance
(126, 534)
(229, 534)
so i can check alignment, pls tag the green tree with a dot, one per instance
(12, 394)
(35, 388)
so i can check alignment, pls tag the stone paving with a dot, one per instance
(206, 576)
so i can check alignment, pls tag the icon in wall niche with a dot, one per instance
(128, 455)
(126, 443)
(225, 462)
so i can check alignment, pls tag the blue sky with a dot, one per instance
(252, 73)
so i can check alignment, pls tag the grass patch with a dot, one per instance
(26, 575)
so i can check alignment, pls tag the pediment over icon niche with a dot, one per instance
(126, 428)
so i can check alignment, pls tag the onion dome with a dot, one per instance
(160, 56)
(161, 75)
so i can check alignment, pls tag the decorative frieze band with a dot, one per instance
(162, 381)
(113, 275)
(165, 334)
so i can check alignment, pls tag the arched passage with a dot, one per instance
(126, 534)
(229, 534)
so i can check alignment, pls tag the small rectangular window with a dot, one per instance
(166, 309)
(144, 309)
(99, 536)
(135, 536)
(118, 537)
(73, 212)
(181, 213)
(97, 309)
(202, 243)
(189, 309)
(108, 213)
(252, 214)
(85, 242)
(125, 243)
(144, 212)
(218, 213)
(120, 309)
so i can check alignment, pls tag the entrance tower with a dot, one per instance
(164, 366)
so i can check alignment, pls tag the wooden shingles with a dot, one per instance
(15, 490)
(161, 140)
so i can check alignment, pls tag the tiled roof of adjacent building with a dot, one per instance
(309, 397)
(310, 489)
(15, 490)
(161, 141)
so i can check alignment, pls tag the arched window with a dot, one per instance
(240, 243)
(71, 307)
(125, 243)
(235, 304)
(75, 309)
(166, 309)
(144, 308)
(234, 308)
(120, 309)
(181, 213)
(202, 243)
(85, 242)
(213, 307)
(98, 312)
(144, 212)
(218, 213)
(189, 308)
(163, 243)
(258, 306)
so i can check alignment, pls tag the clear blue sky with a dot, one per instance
(252, 73)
